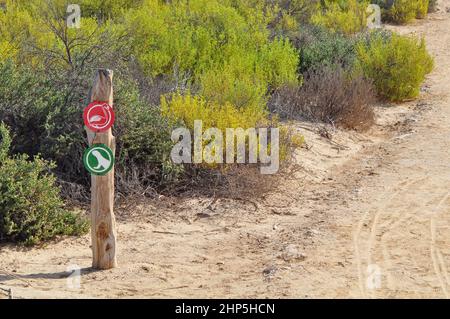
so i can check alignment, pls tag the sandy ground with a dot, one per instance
(366, 216)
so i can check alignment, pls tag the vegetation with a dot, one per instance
(329, 95)
(397, 65)
(230, 63)
(318, 47)
(31, 209)
(403, 11)
(348, 17)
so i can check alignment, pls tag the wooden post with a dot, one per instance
(103, 223)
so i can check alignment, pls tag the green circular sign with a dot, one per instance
(98, 159)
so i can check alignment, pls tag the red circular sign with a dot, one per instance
(98, 116)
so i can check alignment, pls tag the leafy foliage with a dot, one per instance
(319, 47)
(190, 108)
(143, 143)
(397, 65)
(31, 209)
(403, 11)
(348, 17)
(204, 39)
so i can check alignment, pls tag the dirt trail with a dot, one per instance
(375, 225)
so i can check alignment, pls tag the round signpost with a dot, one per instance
(98, 116)
(98, 159)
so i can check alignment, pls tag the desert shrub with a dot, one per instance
(204, 40)
(320, 47)
(328, 95)
(214, 177)
(289, 15)
(301, 10)
(244, 80)
(32, 33)
(368, 36)
(144, 143)
(142, 133)
(31, 209)
(222, 86)
(5, 142)
(24, 105)
(189, 108)
(403, 11)
(432, 6)
(277, 62)
(107, 9)
(397, 65)
(348, 17)
(44, 115)
(422, 8)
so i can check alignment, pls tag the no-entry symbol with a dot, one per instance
(98, 116)
(98, 159)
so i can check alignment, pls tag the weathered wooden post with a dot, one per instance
(103, 224)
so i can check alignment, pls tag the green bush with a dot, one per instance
(43, 113)
(301, 10)
(403, 11)
(199, 40)
(422, 8)
(107, 9)
(348, 17)
(319, 47)
(397, 65)
(289, 15)
(24, 105)
(143, 137)
(31, 209)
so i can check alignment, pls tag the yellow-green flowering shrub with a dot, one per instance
(422, 8)
(190, 108)
(397, 65)
(403, 11)
(34, 33)
(348, 17)
(223, 47)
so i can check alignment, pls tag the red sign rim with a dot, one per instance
(107, 109)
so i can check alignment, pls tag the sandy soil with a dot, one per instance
(366, 216)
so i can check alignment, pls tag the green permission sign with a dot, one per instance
(98, 159)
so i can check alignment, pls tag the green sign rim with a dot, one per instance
(86, 163)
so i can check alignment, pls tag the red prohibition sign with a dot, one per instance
(98, 116)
